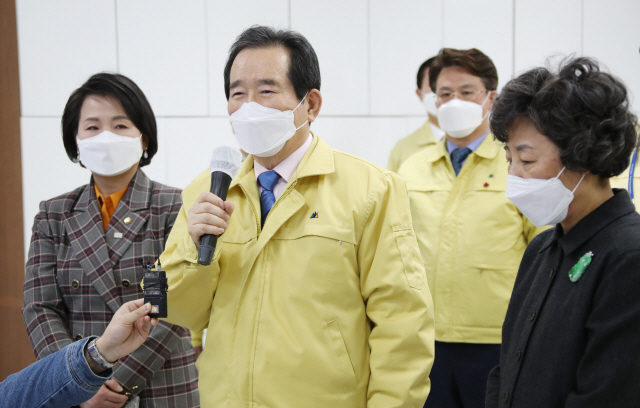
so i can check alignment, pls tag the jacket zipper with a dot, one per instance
(284, 194)
(257, 217)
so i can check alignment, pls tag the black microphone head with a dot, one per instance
(226, 159)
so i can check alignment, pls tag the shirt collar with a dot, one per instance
(612, 209)
(288, 166)
(115, 197)
(473, 145)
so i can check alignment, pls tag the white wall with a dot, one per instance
(369, 52)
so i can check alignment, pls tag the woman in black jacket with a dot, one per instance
(571, 337)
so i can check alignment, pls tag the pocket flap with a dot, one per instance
(320, 230)
(426, 185)
(412, 261)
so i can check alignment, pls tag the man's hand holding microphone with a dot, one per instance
(209, 215)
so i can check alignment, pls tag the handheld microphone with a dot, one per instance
(224, 165)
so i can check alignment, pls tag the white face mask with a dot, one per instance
(429, 102)
(108, 154)
(263, 131)
(460, 118)
(543, 202)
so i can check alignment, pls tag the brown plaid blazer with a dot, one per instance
(78, 275)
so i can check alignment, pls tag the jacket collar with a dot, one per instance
(488, 149)
(136, 198)
(617, 206)
(438, 152)
(318, 160)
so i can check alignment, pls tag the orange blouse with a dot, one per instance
(108, 204)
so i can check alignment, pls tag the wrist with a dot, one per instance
(103, 357)
(97, 369)
(106, 352)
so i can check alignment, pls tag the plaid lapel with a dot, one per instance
(86, 234)
(134, 205)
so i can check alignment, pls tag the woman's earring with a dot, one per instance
(145, 154)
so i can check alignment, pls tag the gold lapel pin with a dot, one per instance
(127, 220)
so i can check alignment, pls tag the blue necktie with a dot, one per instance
(458, 157)
(268, 181)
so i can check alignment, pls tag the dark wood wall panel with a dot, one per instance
(15, 349)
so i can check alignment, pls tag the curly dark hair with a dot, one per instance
(123, 90)
(581, 109)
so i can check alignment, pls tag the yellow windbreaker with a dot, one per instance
(410, 145)
(327, 306)
(471, 238)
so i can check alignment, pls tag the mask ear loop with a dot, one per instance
(577, 185)
(302, 100)
(581, 178)
(485, 101)
(306, 121)
(487, 98)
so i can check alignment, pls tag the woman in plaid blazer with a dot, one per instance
(88, 247)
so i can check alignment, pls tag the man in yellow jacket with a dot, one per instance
(316, 295)
(470, 235)
(427, 134)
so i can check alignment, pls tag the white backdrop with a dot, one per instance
(369, 51)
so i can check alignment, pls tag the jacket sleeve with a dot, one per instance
(191, 286)
(135, 371)
(493, 388)
(196, 336)
(44, 311)
(60, 379)
(607, 374)
(398, 302)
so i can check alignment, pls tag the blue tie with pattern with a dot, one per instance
(268, 181)
(458, 157)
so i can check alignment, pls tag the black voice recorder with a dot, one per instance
(155, 290)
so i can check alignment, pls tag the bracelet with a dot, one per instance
(97, 357)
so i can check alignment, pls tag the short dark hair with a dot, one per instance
(473, 60)
(582, 110)
(123, 90)
(421, 70)
(304, 69)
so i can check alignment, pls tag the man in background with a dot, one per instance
(471, 236)
(426, 135)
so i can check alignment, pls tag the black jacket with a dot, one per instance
(575, 344)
